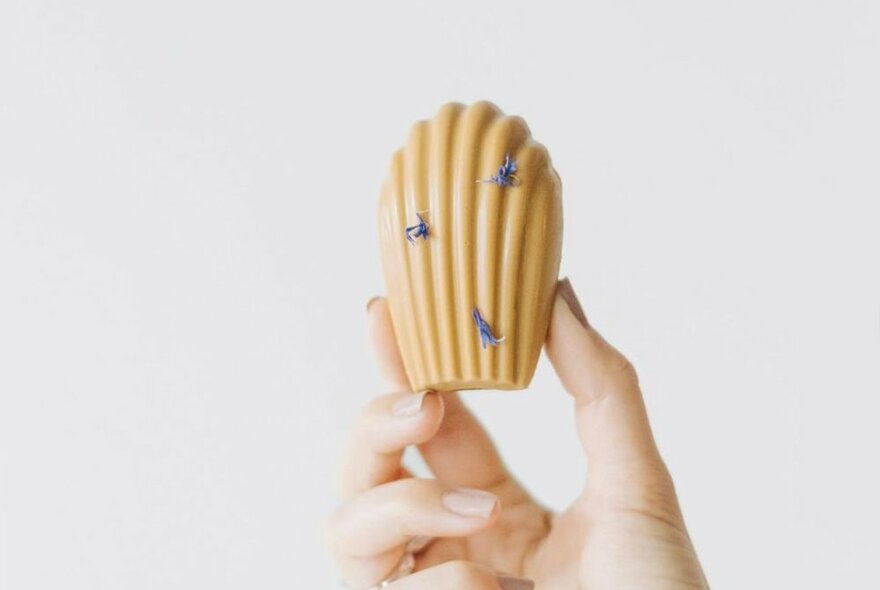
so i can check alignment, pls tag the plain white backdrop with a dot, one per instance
(188, 195)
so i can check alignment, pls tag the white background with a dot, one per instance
(187, 240)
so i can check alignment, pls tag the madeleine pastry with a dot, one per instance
(470, 228)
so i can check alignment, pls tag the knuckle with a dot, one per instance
(653, 491)
(618, 374)
(622, 369)
(652, 496)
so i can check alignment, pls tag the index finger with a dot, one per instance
(385, 344)
(461, 452)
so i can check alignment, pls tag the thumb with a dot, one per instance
(610, 414)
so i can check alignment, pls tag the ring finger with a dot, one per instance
(369, 532)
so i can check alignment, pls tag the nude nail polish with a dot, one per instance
(372, 301)
(511, 583)
(470, 502)
(409, 405)
(567, 293)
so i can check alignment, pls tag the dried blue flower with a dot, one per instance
(486, 336)
(506, 174)
(419, 230)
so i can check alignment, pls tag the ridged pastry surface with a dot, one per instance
(490, 247)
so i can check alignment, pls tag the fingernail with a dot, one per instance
(511, 583)
(567, 293)
(468, 502)
(409, 405)
(372, 301)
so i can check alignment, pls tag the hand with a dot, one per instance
(623, 531)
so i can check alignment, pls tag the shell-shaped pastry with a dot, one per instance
(471, 244)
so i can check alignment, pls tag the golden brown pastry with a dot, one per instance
(470, 226)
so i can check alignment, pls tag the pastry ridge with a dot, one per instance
(490, 247)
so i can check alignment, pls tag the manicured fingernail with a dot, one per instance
(468, 502)
(567, 293)
(372, 301)
(511, 583)
(409, 405)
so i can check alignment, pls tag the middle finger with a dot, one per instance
(385, 428)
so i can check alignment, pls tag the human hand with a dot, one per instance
(623, 531)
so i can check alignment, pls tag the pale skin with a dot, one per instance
(623, 531)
